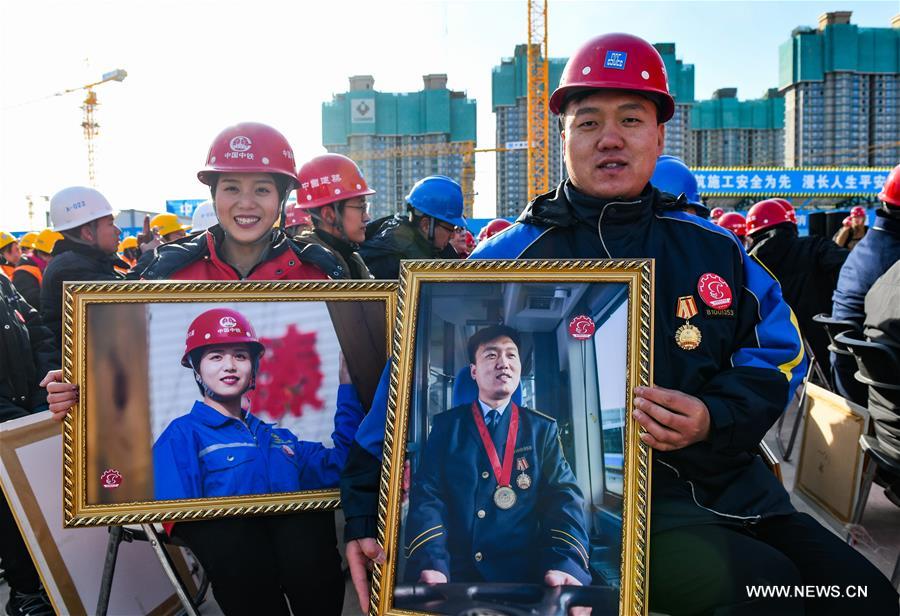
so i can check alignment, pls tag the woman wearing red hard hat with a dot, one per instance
(221, 449)
(250, 172)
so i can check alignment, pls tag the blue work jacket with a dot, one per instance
(206, 454)
(454, 526)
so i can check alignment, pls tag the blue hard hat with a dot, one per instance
(673, 176)
(440, 197)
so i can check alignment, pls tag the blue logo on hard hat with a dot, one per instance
(615, 59)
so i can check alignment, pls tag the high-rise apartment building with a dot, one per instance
(841, 85)
(509, 101)
(681, 87)
(399, 138)
(726, 132)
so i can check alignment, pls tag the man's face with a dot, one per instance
(354, 217)
(497, 369)
(105, 235)
(443, 231)
(458, 241)
(611, 141)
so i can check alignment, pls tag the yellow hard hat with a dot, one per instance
(128, 242)
(46, 240)
(6, 238)
(166, 223)
(27, 240)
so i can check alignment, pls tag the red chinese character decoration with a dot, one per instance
(289, 376)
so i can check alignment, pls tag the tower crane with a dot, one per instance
(88, 123)
(538, 84)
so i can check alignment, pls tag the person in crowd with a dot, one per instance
(250, 173)
(29, 273)
(673, 176)
(219, 448)
(869, 260)
(333, 191)
(10, 253)
(26, 352)
(434, 212)
(167, 227)
(727, 359)
(807, 268)
(848, 236)
(204, 217)
(87, 252)
(129, 251)
(735, 223)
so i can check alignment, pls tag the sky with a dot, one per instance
(197, 66)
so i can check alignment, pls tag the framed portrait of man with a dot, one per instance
(516, 480)
(201, 400)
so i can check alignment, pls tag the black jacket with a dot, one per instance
(397, 238)
(72, 262)
(27, 284)
(27, 352)
(883, 325)
(745, 370)
(808, 269)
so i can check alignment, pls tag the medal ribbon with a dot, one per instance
(501, 473)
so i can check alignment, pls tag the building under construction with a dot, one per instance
(399, 138)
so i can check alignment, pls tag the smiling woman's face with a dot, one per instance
(247, 205)
(226, 369)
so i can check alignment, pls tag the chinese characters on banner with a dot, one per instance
(812, 182)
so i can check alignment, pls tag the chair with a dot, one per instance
(813, 366)
(879, 368)
(834, 328)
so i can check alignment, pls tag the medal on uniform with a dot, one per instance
(687, 336)
(522, 480)
(504, 495)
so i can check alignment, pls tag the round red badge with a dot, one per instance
(111, 478)
(714, 291)
(582, 327)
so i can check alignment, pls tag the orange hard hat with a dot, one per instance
(327, 179)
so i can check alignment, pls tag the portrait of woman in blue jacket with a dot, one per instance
(221, 449)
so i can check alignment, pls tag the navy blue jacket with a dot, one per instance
(745, 370)
(872, 257)
(206, 454)
(454, 526)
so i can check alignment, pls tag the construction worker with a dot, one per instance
(250, 173)
(204, 217)
(87, 251)
(296, 220)
(673, 176)
(10, 253)
(29, 274)
(26, 352)
(463, 243)
(715, 214)
(720, 520)
(26, 242)
(332, 191)
(191, 456)
(849, 236)
(493, 228)
(434, 212)
(788, 207)
(129, 251)
(807, 268)
(872, 257)
(167, 227)
(735, 223)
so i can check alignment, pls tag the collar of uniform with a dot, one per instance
(345, 249)
(887, 222)
(213, 418)
(487, 408)
(277, 244)
(67, 245)
(588, 209)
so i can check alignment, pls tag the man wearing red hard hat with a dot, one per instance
(848, 236)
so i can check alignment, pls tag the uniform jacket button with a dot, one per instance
(481, 513)
(478, 556)
(484, 475)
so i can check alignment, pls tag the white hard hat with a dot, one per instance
(74, 206)
(204, 217)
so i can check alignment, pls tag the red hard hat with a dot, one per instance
(616, 62)
(788, 207)
(295, 215)
(219, 326)
(890, 192)
(858, 212)
(327, 179)
(734, 222)
(716, 212)
(496, 226)
(765, 214)
(249, 147)
(470, 240)
(846, 221)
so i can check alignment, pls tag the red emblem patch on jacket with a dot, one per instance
(714, 291)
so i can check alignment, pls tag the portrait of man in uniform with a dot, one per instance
(470, 521)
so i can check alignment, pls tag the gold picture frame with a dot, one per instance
(497, 289)
(121, 346)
